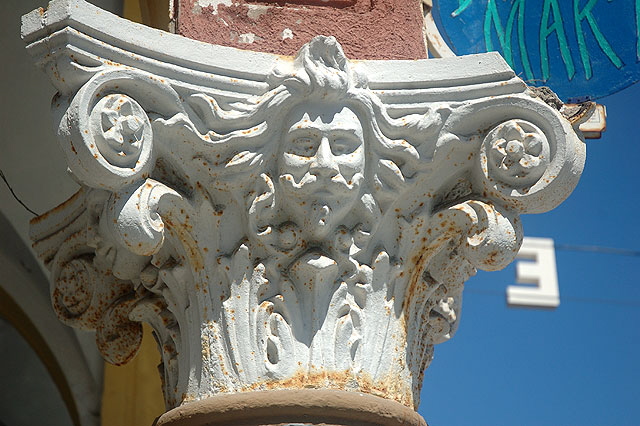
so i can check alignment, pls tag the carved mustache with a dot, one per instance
(311, 183)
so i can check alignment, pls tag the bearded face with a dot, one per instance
(321, 167)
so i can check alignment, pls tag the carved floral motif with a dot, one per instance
(519, 153)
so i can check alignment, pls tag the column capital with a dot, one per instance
(283, 222)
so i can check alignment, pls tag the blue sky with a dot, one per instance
(578, 364)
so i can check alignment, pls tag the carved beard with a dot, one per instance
(320, 211)
(316, 218)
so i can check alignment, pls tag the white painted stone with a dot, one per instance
(247, 38)
(435, 43)
(283, 222)
(287, 33)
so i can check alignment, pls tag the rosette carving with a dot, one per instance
(517, 153)
(118, 338)
(106, 133)
(122, 131)
(73, 293)
(80, 290)
(529, 156)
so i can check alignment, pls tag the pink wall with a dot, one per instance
(367, 29)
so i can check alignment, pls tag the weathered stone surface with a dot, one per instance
(283, 223)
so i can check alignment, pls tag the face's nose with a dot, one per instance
(324, 162)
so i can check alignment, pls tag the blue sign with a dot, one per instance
(582, 49)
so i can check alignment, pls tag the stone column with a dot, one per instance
(296, 230)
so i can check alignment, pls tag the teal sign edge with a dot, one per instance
(582, 49)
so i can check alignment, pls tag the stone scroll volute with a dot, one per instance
(315, 233)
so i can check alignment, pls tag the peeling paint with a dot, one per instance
(247, 38)
(287, 33)
(213, 4)
(256, 10)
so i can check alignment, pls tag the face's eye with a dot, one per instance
(303, 146)
(344, 145)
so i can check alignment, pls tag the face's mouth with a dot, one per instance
(310, 184)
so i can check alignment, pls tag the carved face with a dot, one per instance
(322, 164)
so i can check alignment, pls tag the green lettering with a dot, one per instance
(518, 6)
(545, 31)
(462, 5)
(492, 17)
(581, 15)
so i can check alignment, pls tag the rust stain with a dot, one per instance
(390, 387)
(63, 206)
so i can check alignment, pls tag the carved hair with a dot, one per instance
(248, 135)
(320, 72)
